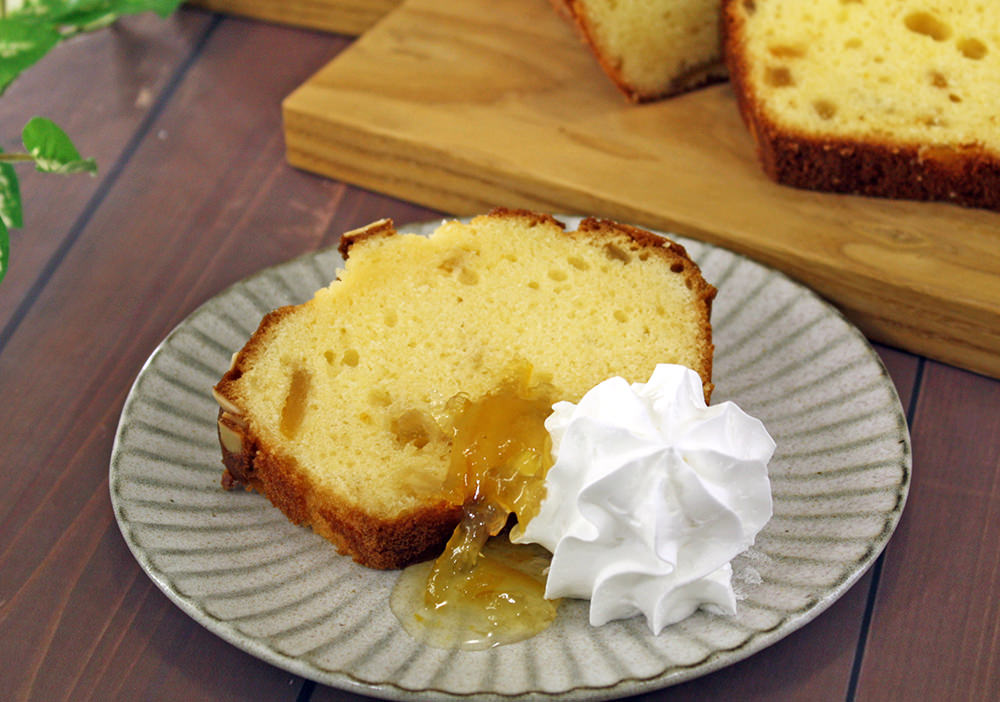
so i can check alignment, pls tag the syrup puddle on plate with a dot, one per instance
(501, 600)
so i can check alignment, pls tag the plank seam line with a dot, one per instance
(306, 691)
(97, 199)
(866, 619)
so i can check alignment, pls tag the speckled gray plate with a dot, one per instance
(231, 561)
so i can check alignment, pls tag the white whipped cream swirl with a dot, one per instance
(651, 496)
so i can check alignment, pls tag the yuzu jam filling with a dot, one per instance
(479, 594)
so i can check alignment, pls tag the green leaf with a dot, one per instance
(69, 17)
(22, 43)
(52, 149)
(35, 26)
(70, 11)
(4, 249)
(164, 8)
(10, 197)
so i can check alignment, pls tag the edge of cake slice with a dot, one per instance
(890, 100)
(338, 409)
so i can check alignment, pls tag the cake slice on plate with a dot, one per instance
(342, 409)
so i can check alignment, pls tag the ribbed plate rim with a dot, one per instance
(627, 686)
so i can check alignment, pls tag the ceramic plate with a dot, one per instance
(232, 562)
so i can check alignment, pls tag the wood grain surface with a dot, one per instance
(128, 71)
(947, 543)
(351, 17)
(464, 106)
(193, 195)
(202, 200)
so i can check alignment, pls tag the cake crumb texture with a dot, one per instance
(339, 409)
(651, 48)
(896, 98)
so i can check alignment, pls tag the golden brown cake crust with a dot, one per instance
(371, 541)
(419, 534)
(575, 12)
(677, 255)
(968, 175)
(382, 227)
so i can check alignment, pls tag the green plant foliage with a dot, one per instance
(4, 249)
(30, 28)
(10, 196)
(22, 43)
(48, 147)
(52, 150)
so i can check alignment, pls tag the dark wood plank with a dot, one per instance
(935, 632)
(204, 200)
(146, 632)
(351, 17)
(902, 367)
(99, 88)
(88, 624)
(208, 194)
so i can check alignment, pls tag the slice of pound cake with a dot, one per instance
(342, 409)
(651, 48)
(895, 98)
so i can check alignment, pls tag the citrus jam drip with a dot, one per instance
(478, 594)
(501, 451)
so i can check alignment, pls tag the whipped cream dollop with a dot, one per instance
(651, 495)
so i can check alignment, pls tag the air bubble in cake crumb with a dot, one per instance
(928, 25)
(938, 79)
(380, 397)
(971, 48)
(616, 253)
(825, 109)
(778, 77)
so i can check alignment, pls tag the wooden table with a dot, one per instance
(193, 194)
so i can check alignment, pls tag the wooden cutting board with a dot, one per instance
(339, 16)
(464, 106)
